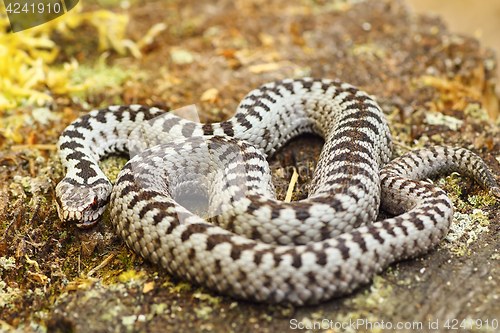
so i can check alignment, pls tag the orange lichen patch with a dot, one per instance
(452, 94)
(455, 95)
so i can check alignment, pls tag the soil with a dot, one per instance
(435, 86)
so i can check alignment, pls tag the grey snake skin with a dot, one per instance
(258, 248)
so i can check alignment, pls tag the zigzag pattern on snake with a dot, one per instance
(301, 252)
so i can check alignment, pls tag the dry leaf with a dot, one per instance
(148, 287)
(262, 68)
(210, 95)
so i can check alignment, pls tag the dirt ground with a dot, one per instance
(435, 86)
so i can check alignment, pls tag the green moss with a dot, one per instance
(100, 77)
(453, 181)
(208, 298)
(481, 200)
(181, 286)
(126, 259)
(112, 166)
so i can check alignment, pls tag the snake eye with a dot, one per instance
(93, 205)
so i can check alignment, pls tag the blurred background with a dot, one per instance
(480, 19)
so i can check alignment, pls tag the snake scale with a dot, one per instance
(258, 248)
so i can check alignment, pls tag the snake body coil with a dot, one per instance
(301, 252)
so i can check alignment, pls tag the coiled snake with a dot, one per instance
(301, 252)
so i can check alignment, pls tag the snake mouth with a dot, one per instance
(86, 224)
(76, 219)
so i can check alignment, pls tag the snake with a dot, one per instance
(243, 242)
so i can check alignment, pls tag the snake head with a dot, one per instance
(81, 204)
(495, 191)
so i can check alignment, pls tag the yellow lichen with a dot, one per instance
(27, 57)
(131, 274)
